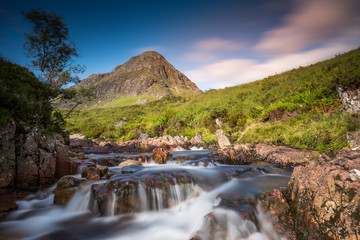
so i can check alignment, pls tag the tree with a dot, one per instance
(51, 50)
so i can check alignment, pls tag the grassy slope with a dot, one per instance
(307, 93)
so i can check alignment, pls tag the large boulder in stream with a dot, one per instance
(322, 201)
(233, 156)
(141, 191)
(66, 188)
(160, 155)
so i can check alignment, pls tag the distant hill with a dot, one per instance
(148, 74)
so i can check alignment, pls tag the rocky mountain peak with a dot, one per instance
(146, 74)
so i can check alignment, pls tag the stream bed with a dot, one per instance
(183, 199)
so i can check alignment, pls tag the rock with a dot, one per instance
(91, 174)
(86, 142)
(103, 170)
(82, 155)
(232, 156)
(66, 188)
(144, 101)
(7, 155)
(285, 156)
(129, 163)
(7, 203)
(76, 136)
(223, 140)
(197, 141)
(135, 193)
(143, 136)
(350, 98)
(160, 155)
(354, 140)
(321, 201)
(131, 169)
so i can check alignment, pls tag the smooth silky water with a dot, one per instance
(190, 209)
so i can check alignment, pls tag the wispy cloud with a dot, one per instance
(209, 50)
(239, 71)
(218, 44)
(313, 22)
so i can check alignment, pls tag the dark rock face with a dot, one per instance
(29, 157)
(66, 188)
(7, 156)
(322, 201)
(146, 74)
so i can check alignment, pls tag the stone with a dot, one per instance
(91, 174)
(103, 170)
(321, 201)
(7, 155)
(223, 140)
(125, 191)
(129, 163)
(66, 188)
(232, 156)
(285, 156)
(143, 136)
(160, 155)
(197, 141)
(131, 169)
(350, 98)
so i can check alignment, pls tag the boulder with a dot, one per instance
(350, 98)
(234, 156)
(129, 163)
(197, 141)
(91, 174)
(285, 156)
(223, 140)
(141, 191)
(103, 170)
(66, 188)
(321, 201)
(131, 169)
(160, 155)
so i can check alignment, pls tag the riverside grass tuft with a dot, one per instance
(306, 96)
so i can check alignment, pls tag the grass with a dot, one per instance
(307, 93)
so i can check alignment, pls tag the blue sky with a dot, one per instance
(215, 43)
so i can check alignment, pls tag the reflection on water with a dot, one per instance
(199, 210)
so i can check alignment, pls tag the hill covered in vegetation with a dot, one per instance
(300, 108)
(148, 77)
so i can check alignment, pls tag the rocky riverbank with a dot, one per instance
(30, 159)
(322, 200)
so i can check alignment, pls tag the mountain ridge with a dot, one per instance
(146, 74)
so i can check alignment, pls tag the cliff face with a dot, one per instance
(147, 74)
(30, 157)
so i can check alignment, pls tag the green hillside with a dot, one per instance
(299, 108)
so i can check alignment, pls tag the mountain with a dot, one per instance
(314, 107)
(147, 74)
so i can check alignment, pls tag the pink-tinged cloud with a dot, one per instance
(239, 71)
(314, 22)
(218, 44)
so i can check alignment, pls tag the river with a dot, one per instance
(180, 200)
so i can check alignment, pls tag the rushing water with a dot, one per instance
(196, 210)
